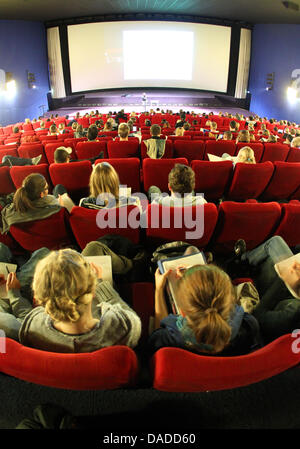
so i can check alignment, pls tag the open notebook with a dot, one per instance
(6, 268)
(104, 262)
(291, 280)
(172, 264)
(214, 158)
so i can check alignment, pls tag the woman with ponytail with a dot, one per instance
(76, 311)
(210, 321)
(30, 202)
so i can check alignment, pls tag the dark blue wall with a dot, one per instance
(275, 48)
(23, 47)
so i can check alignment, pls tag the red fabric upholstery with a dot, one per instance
(253, 222)
(142, 299)
(249, 180)
(191, 150)
(178, 370)
(50, 150)
(50, 232)
(74, 176)
(32, 150)
(128, 170)
(73, 142)
(86, 150)
(212, 178)
(294, 155)
(9, 150)
(285, 181)
(6, 184)
(19, 173)
(156, 172)
(84, 223)
(199, 221)
(118, 149)
(27, 127)
(258, 149)
(168, 149)
(275, 152)
(219, 147)
(289, 224)
(108, 368)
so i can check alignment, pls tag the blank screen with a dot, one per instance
(148, 54)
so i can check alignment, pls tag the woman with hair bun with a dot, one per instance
(210, 320)
(77, 311)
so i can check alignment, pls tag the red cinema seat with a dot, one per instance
(105, 369)
(6, 184)
(84, 121)
(275, 152)
(19, 173)
(284, 182)
(168, 150)
(258, 149)
(156, 172)
(178, 370)
(117, 149)
(48, 123)
(8, 151)
(218, 147)
(212, 178)
(8, 130)
(289, 224)
(249, 180)
(191, 150)
(128, 170)
(90, 224)
(51, 232)
(72, 142)
(10, 140)
(294, 155)
(44, 138)
(253, 222)
(174, 138)
(50, 150)
(193, 224)
(74, 176)
(86, 150)
(28, 150)
(27, 127)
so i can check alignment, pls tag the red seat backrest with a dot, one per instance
(128, 170)
(117, 149)
(156, 172)
(6, 184)
(253, 222)
(218, 147)
(108, 368)
(284, 182)
(32, 150)
(8, 151)
(191, 150)
(74, 176)
(178, 370)
(289, 224)
(212, 178)
(258, 149)
(50, 150)
(249, 180)
(19, 173)
(294, 155)
(275, 152)
(90, 224)
(86, 150)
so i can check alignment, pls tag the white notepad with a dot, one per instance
(3, 270)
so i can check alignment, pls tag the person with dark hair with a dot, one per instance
(92, 133)
(181, 185)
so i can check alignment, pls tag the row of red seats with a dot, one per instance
(266, 181)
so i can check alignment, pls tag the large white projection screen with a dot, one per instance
(110, 55)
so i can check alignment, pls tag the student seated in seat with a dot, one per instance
(77, 311)
(9, 161)
(105, 189)
(209, 322)
(245, 155)
(30, 202)
(53, 131)
(181, 185)
(244, 136)
(62, 155)
(155, 145)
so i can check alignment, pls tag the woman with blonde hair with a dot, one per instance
(179, 132)
(246, 155)
(77, 311)
(105, 189)
(210, 321)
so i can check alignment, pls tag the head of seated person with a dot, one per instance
(295, 143)
(53, 130)
(207, 302)
(34, 187)
(147, 122)
(213, 126)
(227, 135)
(107, 126)
(66, 298)
(123, 131)
(104, 184)
(271, 139)
(61, 127)
(179, 132)
(243, 136)
(155, 131)
(62, 155)
(181, 180)
(233, 126)
(246, 155)
(186, 126)
(16, 130)
(92, 132)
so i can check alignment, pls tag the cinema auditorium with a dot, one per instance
(149, 217)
